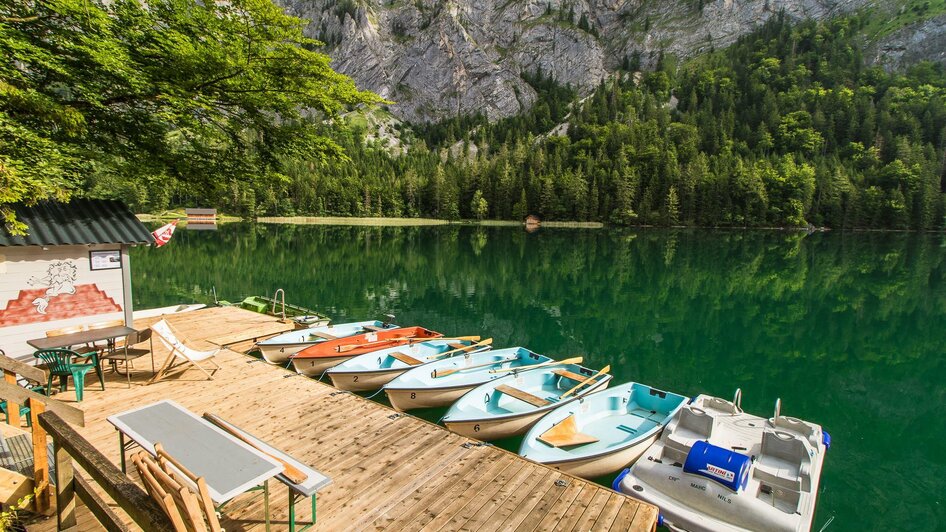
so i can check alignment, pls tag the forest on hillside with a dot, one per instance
(787, 127)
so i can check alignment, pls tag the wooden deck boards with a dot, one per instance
(388, 471)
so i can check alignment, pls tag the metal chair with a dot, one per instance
(59, 364)
(128, 354)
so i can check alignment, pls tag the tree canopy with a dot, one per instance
(143, 99)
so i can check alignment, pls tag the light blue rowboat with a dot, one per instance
(429, 386)
(601, 433)
(511, 404)
(373, 370)
(279, 348)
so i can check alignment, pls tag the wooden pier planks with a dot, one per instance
(388, 471)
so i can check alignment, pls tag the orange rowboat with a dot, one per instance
(314, 360)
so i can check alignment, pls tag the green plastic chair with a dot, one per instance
(59, 363)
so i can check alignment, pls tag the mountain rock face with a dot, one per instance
(439, 58)
(925, 40)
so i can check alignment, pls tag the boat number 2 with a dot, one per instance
(356, 378)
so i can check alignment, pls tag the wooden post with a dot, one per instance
(65, 489)
(13, 408)
(40, 458)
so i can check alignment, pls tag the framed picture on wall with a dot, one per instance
(105, 260)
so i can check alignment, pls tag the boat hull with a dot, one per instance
(408, 399)
(279, 354)
(494, 428)
(605, 464)
(364, 381)
(315, 366)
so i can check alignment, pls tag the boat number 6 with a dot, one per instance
(476, 428)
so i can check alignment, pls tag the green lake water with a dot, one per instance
(847, 329)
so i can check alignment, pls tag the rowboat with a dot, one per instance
(315, 359)
(601, 433)
(716, 468)
(278, 349)
(373, 370)
(509, 405)
(427, 386)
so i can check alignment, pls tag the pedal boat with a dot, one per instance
(603, 432)
(717, 468)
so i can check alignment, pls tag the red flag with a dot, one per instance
(163, 234)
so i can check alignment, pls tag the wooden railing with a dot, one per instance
(52, 418)
(69, 445)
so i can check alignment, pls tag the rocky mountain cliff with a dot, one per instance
(440, 58)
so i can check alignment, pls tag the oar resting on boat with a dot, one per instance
(609, 431)
(315, 359)
(279, 348)
(510, 404)
(373, 370)
(425, 386)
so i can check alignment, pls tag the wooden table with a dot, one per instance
(81, 337)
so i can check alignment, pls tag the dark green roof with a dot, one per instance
(81, 221)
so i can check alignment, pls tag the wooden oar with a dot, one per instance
(586, 381)
(410, 340)
(457, 338)
(437, 373)
(438, 356)
(292, 472)
(576, 360)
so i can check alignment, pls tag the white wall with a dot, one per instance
(24, 277)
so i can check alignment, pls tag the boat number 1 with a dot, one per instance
(486, 399)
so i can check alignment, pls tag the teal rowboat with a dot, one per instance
(371, 371)
(442, 382)
(509, 405)
(601, 433)
(278, 349)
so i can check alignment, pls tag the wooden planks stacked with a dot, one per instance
(388, 471)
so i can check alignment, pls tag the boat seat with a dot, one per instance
(373, 328)
(405, 358)
(324, 335)
(570, 375)
(783, 461)
(457, 345)
(626, 429)
(522, 395)
(720, 405)
(692, 424)
(790, 424)
(566, 434)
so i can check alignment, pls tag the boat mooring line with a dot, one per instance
(374, 394)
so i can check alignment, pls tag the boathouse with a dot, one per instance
(201, 216)
(71, 268)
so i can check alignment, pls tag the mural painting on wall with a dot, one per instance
(61, 298)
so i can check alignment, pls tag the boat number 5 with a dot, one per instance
(476, 428)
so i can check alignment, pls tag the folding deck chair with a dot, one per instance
(180, 354)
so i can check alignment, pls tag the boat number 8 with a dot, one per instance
(413, 395)
(476, 428)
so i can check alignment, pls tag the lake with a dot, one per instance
(847, 329)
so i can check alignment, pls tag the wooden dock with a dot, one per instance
(388, 470)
